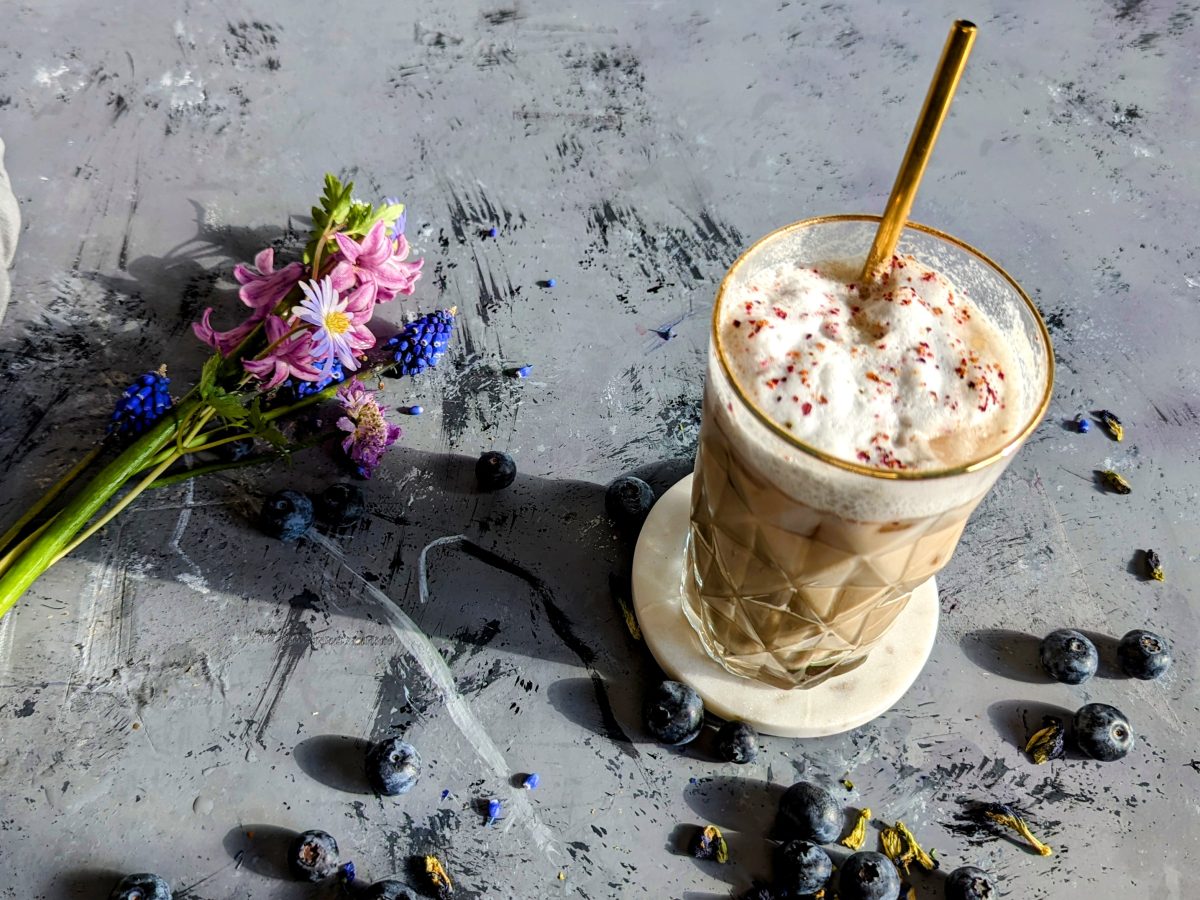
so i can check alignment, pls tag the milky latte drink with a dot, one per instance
(848, 434)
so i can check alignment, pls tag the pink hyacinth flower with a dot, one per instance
(224, 341)
(378, 262)
(261, 291)
(266, 287)
(292, 357)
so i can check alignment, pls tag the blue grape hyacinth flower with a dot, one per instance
(422, 343)
(141, 404)
(331, 370)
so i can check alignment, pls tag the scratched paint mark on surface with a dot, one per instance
(295, 641)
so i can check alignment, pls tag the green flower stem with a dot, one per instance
(20, 548)
(59, 486)
(40, 554)
(325, 393)
(116, 508)
(257, 460)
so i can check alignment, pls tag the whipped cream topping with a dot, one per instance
(908, 375)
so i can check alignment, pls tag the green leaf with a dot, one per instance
(273, 435)
(208, 375)
(227, 406)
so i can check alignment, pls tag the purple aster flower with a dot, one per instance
(396, 229)
(369, 434)
(341, 331)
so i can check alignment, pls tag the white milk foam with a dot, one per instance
(912, 376)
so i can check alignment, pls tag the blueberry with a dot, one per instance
(388, 889)
(235, 450)
(286, 515)
(802, 867)
(142, 886)
(393, 767)
(674, 713)
(809, 813)
(1068, 656)
(1103, 732)
(313, 856)
(1144, 654)
(737, 742)
(868, 875)
(628, 501)
(340, 504)
(495, 470)
(970, 883)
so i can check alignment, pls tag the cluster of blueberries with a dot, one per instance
(392, 768)
(1102, 731)
(808, 816)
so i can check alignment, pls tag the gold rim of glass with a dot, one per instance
(889, 474)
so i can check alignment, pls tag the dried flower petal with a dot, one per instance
(442, 885)
(709, 843)
(893, 848)
(858, 836)
(1115, 481)
(1004, 815)
(1154, 565)
(1046, 743)
(927, 862)
(1112, 424)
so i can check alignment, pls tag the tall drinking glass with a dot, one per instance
(798, 562)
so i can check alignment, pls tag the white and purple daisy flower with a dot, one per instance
(341, 329)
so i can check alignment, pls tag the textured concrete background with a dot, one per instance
(182, 680)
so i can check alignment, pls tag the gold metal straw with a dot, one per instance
(920, 146)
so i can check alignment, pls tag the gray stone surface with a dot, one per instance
(181, 681)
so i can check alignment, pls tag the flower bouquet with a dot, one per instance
(307, 340)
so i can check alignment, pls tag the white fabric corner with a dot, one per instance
(10, 228)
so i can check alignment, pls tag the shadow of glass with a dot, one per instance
(590, 704)
(87, 883)
(1009, 654)
(261, 849)
(335, 760)
(736, 803)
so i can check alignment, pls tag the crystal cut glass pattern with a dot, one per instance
(786, 594)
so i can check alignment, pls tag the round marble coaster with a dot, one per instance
(839, 704)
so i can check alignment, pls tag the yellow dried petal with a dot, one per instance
(924, 859)
(437, 873)
(1017, 824)
(893, 848)
(1046, 743)
(858, 836)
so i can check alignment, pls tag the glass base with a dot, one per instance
(841, 703)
